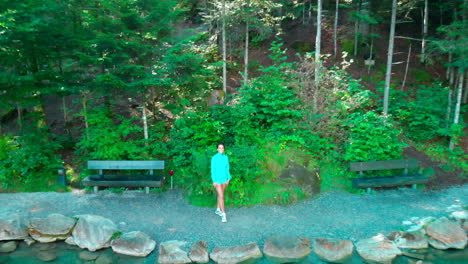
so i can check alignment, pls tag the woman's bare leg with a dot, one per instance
(220, 190)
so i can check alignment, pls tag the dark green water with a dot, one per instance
(63, 253)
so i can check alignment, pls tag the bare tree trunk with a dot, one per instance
(458, 105)
(317, 51)
(224, 48)
(406, 69)
(389, 58)
(356, 28)
(84, 99)
(65, 115)
(449, 108)
(447, 74)
(303, 12)
(465, 95)
(246, 56)
(145, 122)
(424, 35)
(20, 116)
(335, 28)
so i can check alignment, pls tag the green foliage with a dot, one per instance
(347, 45)
(372, 137)
(109, 139)
(28, 159)
(424, 117)
(302, 46)
(456, 158)
(421, 75)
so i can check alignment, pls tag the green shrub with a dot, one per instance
(29, 159)
(347, 45)
(372, 137)
(302, 46)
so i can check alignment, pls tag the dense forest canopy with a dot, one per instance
(283, 83)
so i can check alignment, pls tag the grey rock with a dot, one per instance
(70, 241)
(286, 249)
(12, 227)
(249, 253)
(298, 175)
(52, 228)
(134, 243)
(377, 249)
(88, 255)
(104, 259)
(444, 234)
(93, 232)
(29, 241)
(333, 250)
(172, 252)
(7, 247)
(199, 252)
(46, 256)
(412, 240)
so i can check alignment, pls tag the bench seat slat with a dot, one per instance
(384, 165)
(126, 164)
(106, 183)
(389, 181)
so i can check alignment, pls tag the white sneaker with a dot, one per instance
(218, 212)
(223, 218)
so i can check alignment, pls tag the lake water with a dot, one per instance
(63, 253)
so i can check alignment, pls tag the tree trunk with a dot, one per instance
(449, 108)
(317, 51)
(246, 56)
(224, 48)
(458, 105)
(389, 58)
(406, 69)
(424, 35)
(20, 116)
(356, 28)
(84, 99)
(465, 95)
(303, 12)
(335, 28)
(145, 122)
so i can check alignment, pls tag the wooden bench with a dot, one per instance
(141, 180)
(387, 181)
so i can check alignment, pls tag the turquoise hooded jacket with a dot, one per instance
(220, 168)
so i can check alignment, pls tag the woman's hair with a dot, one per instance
(220, 143)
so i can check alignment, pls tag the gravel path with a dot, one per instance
(168, 216)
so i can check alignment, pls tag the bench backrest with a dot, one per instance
(384, 165)
(126, 164)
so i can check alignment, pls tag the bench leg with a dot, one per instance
(414, 186)
(368, 190)
(95, 189)
(147, 190)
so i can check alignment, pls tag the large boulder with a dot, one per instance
(52, 228)
(173, 252)
(412, 240)
(12, 226)
(333, 250)
(298, 175)
(134, 243)
(244, 254)
(377, 249)
(444, 234)
(7, 247)
(199, 252)
(93, 232)
(286, 249)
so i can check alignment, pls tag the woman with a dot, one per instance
(221, 177)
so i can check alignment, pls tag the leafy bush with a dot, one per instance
(28, 158)
(108, 139)
(372, 137)
(425, 117)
